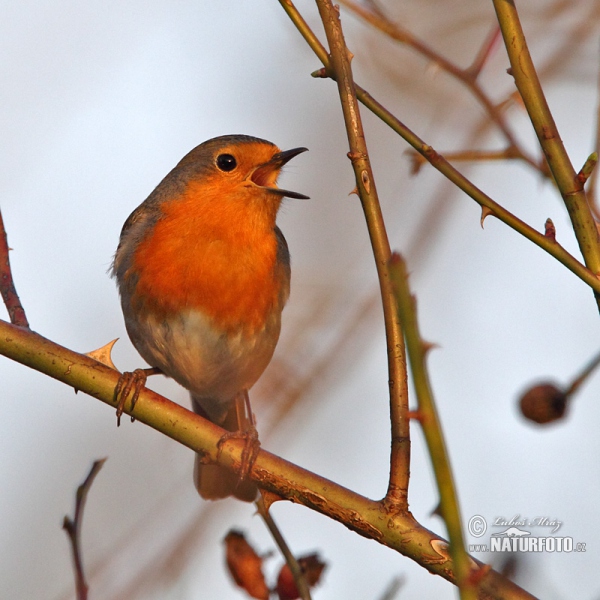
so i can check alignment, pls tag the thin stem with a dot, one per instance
(339, 64)
(442, 165)
(467, 77)
(7, 285)
(585, 373)
(73, 529)
(290, 559)
(592, 186)
(432, 429)
(528, 84)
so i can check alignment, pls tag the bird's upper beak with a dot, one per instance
(266, 175)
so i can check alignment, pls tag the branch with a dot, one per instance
(442, 165)
(432, 428)
(73, 529)
(341, 71)
(290, 559)
(7, 286)
(371, 519)
(467, 77)
(528, 84)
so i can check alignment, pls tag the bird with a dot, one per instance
(203, 274)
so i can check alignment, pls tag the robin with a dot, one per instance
(203, 273)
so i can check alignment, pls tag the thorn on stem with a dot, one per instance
(428, 346)
(417, 415)
(485, 212)
(103, 354)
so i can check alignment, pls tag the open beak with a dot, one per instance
(266, 175)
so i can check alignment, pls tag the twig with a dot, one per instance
(468, 76)
(397, 493)
(580, 379)
(464, 156)
(7, 285)
(392, 589)
(528, 84)
(432, 429)
(290, 559)
(371, 519)
(73, 529)
(593, 180)
(442, 165)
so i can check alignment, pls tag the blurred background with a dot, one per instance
(98, 101)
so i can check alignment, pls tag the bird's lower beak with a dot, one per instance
(266, 175)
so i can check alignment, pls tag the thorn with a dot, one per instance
(509, 71)
(354, 191)
(417, 415)
(102, 355)
(588, 167)
(416, 161)
(485, 212)
(437, 511)
(428, 346)
(269, 498)
(550, 230)
(478, 573)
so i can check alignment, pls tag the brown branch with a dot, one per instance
(290, 559)
(467, 77)
(442, 165)
(73, 529)
(371, 519)
(16, 312)
(341, 71)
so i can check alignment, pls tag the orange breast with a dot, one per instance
(213, 250)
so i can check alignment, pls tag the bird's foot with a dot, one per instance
(250, 451)
(131, 380)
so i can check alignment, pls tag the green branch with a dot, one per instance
(432, 428)
(528, 84)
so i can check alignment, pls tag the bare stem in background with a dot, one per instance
(73, 529)
(397, 493)
(468, 76)
(7, 286)
(290, 559)
(592, 186)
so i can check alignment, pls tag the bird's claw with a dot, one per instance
(250, 451)
(130, 380)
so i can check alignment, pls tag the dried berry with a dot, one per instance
(543, 403)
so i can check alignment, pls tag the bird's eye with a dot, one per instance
(226, 162)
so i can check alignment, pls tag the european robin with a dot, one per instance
(203, 273)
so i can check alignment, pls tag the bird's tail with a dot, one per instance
(214, 482)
